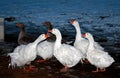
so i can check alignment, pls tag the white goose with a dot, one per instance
(24, 54)
(45, 48)
(65, 54)
(82, 43)
(97, 57)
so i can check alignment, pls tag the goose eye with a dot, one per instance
(42, 35)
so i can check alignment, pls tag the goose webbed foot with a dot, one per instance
(30, 68)
(103, 70)
(97, 70)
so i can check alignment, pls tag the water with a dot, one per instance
(99, 17)
(89, 13)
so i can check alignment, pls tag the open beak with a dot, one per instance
(83, 35)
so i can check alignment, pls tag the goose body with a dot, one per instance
(24, 54)
(66, 54)
(97, 57)
(45, 49)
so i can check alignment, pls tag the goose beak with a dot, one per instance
(71, 21)
(83, 35)
(46, 35)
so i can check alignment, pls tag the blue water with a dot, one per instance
(54, 10)
(33, 12)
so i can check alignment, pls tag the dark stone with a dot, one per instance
(10, 19)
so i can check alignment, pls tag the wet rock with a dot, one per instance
(10, 19)
(48, 67)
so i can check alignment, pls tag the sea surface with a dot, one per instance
(99, 17)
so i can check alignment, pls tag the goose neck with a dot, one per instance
(91, 43)
(58, 40)
(78, 32)
(39, 39)
(22, 33)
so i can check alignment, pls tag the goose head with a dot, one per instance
(48, 24)
(87, 35)
(10, 19)
(74, 22)
(41, 38)
(44, 36)
(20, 25)
(54, 31)
(52, 36)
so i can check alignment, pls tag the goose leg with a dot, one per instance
(97, 70)
(25, 69)
(81, 61)
(64, 69)
(86, 61)
(30, 68)
(103, 70)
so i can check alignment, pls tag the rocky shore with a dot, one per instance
(50, 68)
